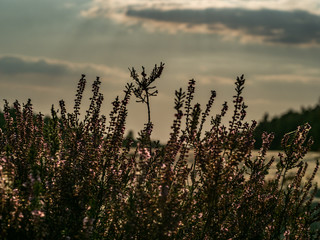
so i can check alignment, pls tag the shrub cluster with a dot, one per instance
(75, 177)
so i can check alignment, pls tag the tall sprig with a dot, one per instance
(143, 89)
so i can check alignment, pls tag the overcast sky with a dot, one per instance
(45, 46)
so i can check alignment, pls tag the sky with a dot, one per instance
(45, 46)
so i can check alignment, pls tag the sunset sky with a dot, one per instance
(45, 46)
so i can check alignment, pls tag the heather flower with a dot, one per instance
(70, 176)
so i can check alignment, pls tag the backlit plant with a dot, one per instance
(73, 177)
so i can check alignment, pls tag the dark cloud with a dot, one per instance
(288, 27)
(15, 65)
(49, 72)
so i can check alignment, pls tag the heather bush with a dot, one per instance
(78, 177)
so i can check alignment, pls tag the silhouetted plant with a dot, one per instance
(67, 178)
(143, 91)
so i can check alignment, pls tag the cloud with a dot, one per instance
(289, 79)
(113, 7)
(273, 26)
(292, 74)
(277, 22)
(14, 65)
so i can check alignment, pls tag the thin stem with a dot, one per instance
(149, 118)
(148, 106)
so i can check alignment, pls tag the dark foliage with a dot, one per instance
(288, 122)
(68, 178)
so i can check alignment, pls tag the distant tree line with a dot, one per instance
(288, 122)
